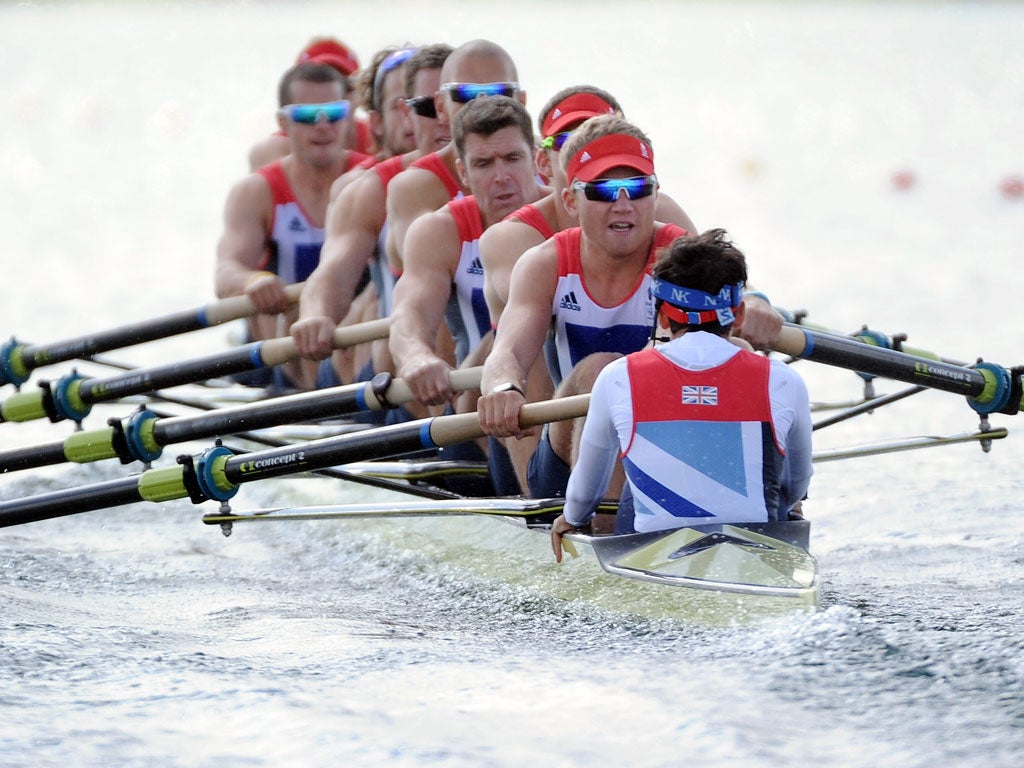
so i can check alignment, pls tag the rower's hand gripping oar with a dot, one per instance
(141, 437)
(216, 474)
(988, 387)
(72, 396)
(17, 361)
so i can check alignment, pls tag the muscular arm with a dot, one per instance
(500, 249)
(354, 222)
(411, 194)
(519, 338)
(243, 244)
(421, 295)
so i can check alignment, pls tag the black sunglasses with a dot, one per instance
(422, 106)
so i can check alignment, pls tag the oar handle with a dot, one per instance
(447, 430)
(237, 307)
(461, 379)
(283, 349)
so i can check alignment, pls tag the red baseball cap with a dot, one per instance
(331, 52)
(616, 150)
(574, 109)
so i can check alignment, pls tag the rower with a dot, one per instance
(583, 296)
(274, 218)
(503, 244)
(709, 431)
(357, 232)
(475, 68)
(443, 278)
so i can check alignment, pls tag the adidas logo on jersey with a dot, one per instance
(569, 302)
(296, 225)
(475, 267)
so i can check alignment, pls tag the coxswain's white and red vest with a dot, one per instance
(703, 448)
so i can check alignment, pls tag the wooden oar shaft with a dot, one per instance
(283, 349)
(33, 356)
(387, 441)
(466, 426)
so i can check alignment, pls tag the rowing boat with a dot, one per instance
(717, 575)
(714, 574)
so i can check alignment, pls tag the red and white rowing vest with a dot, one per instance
(581, 326)
(437, 166)
(703, 448)
(467, 314)
(295, 241)
(381, 271)
(530, 215)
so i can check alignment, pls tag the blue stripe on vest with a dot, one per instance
(667, 498)
(713, 448)
(480, 312)
(307, 257)
(584, 339)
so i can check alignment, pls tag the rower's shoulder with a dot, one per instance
(348, 180)
(267, 150)
(252, 191)
(508, 238)
(366, 187)
(668, 210)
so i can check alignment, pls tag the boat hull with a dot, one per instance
(718, 574)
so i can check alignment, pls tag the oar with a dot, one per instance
(72, 396)
(217, 473)
(989, 388)
(910, 444)
(505, 507)
(879, 339)
(17, 361)
(142, 436)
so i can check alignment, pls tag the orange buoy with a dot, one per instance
(1012, 187)
(903, 179)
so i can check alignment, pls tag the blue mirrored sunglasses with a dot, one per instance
(555, 142)
(333, 111)
(607, 190)
(466, 92)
